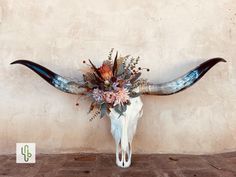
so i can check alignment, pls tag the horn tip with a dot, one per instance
(18, 62)
(220, 59)
(14, 62)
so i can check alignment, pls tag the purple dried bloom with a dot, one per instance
(97, 95)
(115, 85)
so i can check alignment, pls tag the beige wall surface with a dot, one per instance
(171, 37)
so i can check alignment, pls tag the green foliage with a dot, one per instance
(120, 109)
(134, 94)
(103, 110)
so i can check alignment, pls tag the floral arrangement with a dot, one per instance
(112, 84)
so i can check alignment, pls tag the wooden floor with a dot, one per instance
(103, 165)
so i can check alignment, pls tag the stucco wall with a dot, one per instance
(171, 37)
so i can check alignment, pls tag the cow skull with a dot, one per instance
(123, 127)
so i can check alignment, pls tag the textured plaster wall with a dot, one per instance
(171, 37)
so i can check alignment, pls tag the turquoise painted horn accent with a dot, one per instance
(52, 78)
(181, 83)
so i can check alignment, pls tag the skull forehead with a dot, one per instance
(128, 121)
(133, 110)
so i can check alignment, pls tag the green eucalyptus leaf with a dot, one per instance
(118, 109)
(134, 94)
(121, 69)
(103, 110)
(127, 74)
(124, 108)
(135, 77)
(90, 85)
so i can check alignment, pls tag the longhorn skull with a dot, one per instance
(123, 127)
(123, 130)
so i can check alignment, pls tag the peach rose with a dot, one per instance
(109, 97)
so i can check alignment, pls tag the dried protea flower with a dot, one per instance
(105, 72)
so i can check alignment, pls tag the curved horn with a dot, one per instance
(52, 78)
(180, 83)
